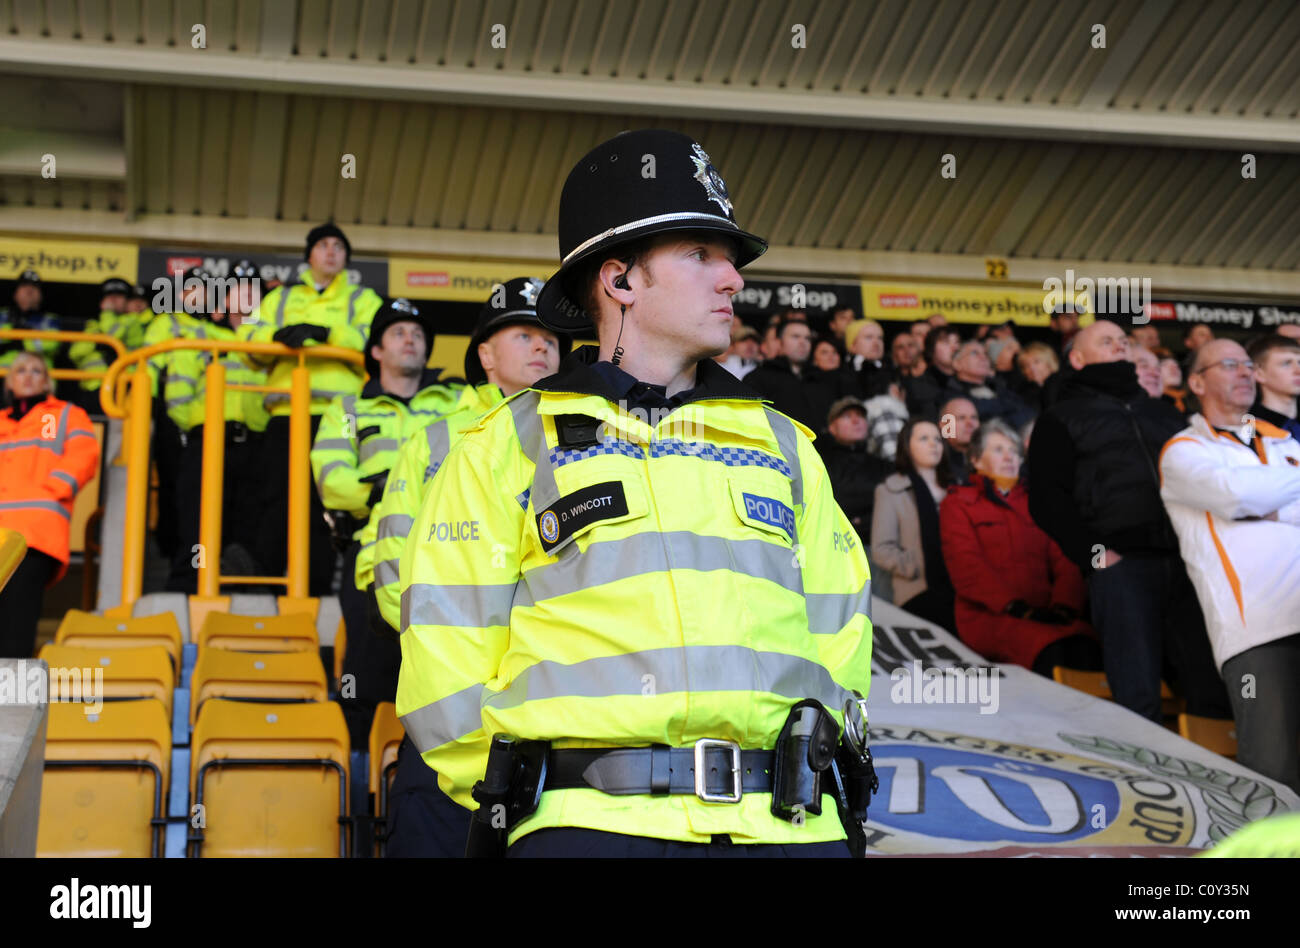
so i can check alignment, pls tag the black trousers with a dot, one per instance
(273, 550)
(1266, 707)
(1146, 614)
(242, 514)
(167, 450)
(371, 659)
(423, 822)
(571, 842)
(20, 604)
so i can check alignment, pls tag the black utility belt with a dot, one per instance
(716, 771)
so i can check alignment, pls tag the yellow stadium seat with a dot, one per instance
(386, 733)
(340, 649)
(1095, 684)
(105, 780)
(1211, 733)
(87, 630)
(271, 780)
(144, 672)
(256, 676)
(295, 632)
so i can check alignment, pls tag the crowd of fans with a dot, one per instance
(1017, 491)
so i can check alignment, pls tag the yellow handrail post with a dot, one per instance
(214, 460)
(299, 480)
(12, 550)
(140, 404)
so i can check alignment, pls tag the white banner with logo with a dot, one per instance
(978, 758)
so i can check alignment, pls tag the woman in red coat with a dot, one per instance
(1018, 597)
(48, 452)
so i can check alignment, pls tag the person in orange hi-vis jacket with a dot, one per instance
(48, 452)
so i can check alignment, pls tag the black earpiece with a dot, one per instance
(621, 282)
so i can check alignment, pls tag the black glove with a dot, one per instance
(294, 336)
(1018, 609)
(342, 526)
(1059, 614)
(376, 482)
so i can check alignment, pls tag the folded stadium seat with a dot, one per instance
(1211, 733)
(272, 780)
(105, 780)
(386, 733)
(1095, 684)
(144, 672)
(295, 632)
(87, 630)
(340, 649)
(256, 676)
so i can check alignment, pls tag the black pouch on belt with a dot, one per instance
(804, 752)
(509, 791)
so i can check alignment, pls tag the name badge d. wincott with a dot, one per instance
(574, 511)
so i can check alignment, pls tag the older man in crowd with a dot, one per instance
(1232, 489)
(974, 378)
(1096, 492)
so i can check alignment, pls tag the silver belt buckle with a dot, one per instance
(701, 779)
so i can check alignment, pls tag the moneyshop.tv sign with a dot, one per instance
(1217, 313)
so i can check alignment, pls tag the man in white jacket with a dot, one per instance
(1231, 484)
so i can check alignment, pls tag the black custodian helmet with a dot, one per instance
(635, 185)
(396, 311)
(518, 306)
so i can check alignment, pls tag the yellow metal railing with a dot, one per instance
(12, 550)
(62, 335)
(136, 403)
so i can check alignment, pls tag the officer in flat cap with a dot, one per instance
(115, 319)
(634, 621)
(323, 307)
(25, 311)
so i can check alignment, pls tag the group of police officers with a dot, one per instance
(603, 638)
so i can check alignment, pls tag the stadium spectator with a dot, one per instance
(920, 330)
(1037, 363)
(958, 422)
(1232, 490)
(322, 307)
(48, 452)
(1064, 326)
(742, 357)
(1095, 492)
(1172, 386)
(26, 312)
(1277, 374)
(854, 471)
(781, 379)
(886, 417)
(1018, 598)
(905, 351)
(826, 355)
(840, 320)
(1146, 336)
(1148, 369)
(770, 347)
(1290, 330)
(1197, 335)
(865, 341)
(905, 537)
(925, 391)
(973, 378)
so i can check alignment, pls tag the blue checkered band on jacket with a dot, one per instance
(523, 498)
(732, 457)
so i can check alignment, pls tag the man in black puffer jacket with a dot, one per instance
(854, 472)
(1095, 490)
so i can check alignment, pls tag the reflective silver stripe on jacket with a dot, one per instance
(352, 302)
(67, 479)
(284, 301)
(372, 446)
(691, 668)
(387, 572)
(830, 612)
(325, 472)
(470, 606)
(51, 505)
(394, 525)
(332, 444)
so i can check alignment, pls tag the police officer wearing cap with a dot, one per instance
(509, 351)
(26, 312)
(113, 320)
(354, 449)
(323, 307)
(631, 624)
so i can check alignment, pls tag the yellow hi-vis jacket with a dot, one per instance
(691, 579)
(390, 522)
(359, 436)
(343, 308)
(128, 328)
(187, 382)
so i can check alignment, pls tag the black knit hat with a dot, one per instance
(512, 303)
(317, 234)
(396, 311)
(636, 184)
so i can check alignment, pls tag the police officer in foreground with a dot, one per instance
(509, 351)
(355, 446)
(634, 621)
